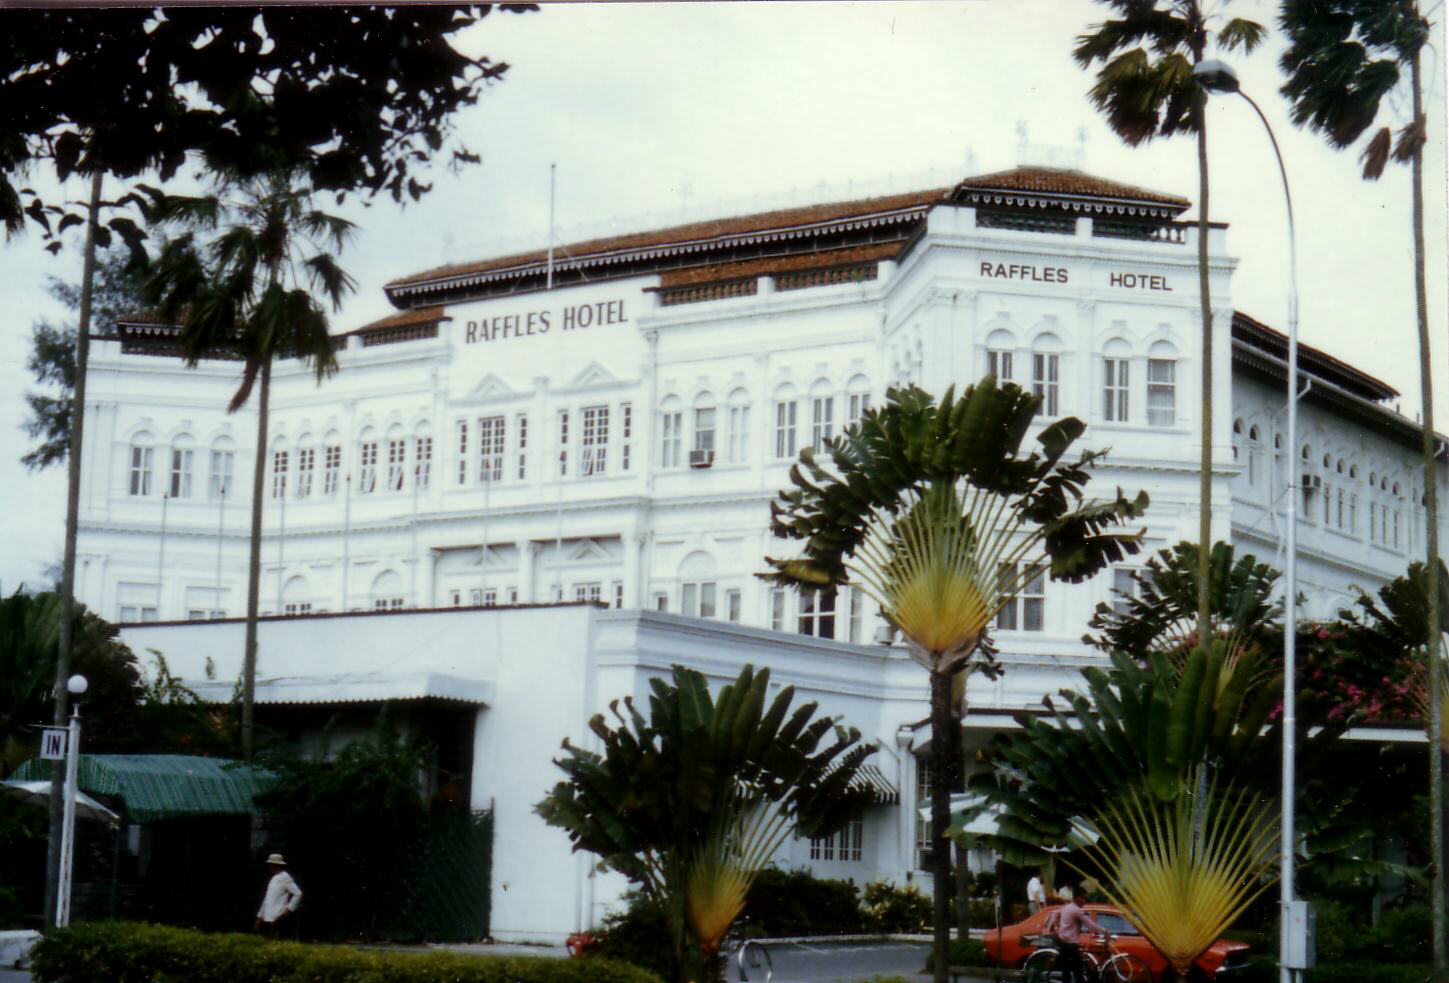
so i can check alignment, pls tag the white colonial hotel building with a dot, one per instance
(497, 445)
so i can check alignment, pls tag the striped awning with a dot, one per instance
(869, 778)
(353, 687)
(165, 786)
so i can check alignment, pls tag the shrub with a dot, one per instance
(963, 952)
(121, 952)
(785, 903)
(1374, 972)
(888, 908)
(1403, 934)
(638, 935)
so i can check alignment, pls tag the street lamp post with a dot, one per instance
(1217, 76)
(77, 686)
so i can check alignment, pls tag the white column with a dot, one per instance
(527, 563)
(632, 543)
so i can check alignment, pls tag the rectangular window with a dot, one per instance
(670, 439)
(661, 602)
(588, 592)
(594, 457)
(462, 445)
(475, 597)
(1339, 521)
(141, 470)
(306, 467)
(1044, 382)
(563, 442)
(777, 608)
(822, 422)
(732, 604)
(817, 613)
(846, 845)
(1124, 588)
(423, 463)
(180, 473)
(490, 597)
(221, 465)
(1006, 586)
(822, 848)
(856, 407)
(279, 474)
(998, 363)
(1161, 392)
(618, 592)
(397, 459)
(923, 826)
(704, 429)
(331, 468)
(367, 480)
(1353, 514)
(513, 595)
(1033, 599)
(521, 426)
(456, 598)
(739, 434)
(626, 431)
(1114, 389)
(697, 600)
(301, 607)
(857, 609)
(492, 442)
(785, 429)
(1327, 503)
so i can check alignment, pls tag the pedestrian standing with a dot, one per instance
(282, 898)
(1067, 924)
(1035, 892)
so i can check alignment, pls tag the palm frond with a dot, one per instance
(1241, 33)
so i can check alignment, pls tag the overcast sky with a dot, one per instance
(656, 113)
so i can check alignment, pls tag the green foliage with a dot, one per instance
(638, 935)
(352, 829)
(963, 952)
(116, 291)
(887, 908)
(354, 98)
(137, 953)
(795, 902)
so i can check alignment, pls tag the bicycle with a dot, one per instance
(1119, 967)
(748, 955)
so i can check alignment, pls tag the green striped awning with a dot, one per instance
(165, 786)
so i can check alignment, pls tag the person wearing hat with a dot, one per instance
(282, 898)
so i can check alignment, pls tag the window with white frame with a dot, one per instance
(279, 474)
(777, 608)
(785, 420)
(671, 438)
(492, 444)
(739, 427)
(822, 421)
(520, 428)
(845, 845)
(1161, 391)
(697, 599)
(1124, 588)
(817, 613)
(131, 614)
(855, 407)
(1114, 389)
(1255, 450)
(367, 472)
(461, 443)
(626, 435)
(704, 429)
(616, 590)
(594, 453)
(998, 363)
(588, 592)
(397, 460)
(857, 614)
(306, 467)
(331, 468)
(661, 602)
(923, 825)
(181, 472)
(733, 601)
(1024, 589)
(563, 443)
(1045, 381)
(422, 462)
(219, 482)
(294, 608)
(141, 463)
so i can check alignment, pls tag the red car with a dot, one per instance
(1224, 959)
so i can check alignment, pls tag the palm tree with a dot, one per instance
(243, 293)
(934, 512)
(1343, 57)
(691, 803)
(1146, 89)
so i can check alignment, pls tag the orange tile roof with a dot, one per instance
(1060, 181)
(406, 319)
(779, 264)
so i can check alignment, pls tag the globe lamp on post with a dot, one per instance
(77, 686)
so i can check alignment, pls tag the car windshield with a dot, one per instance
(1115, 924)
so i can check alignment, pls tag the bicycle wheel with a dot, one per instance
(753, 956)
(1041, 967)
(1126, 968)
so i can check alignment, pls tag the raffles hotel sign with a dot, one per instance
(543, 320)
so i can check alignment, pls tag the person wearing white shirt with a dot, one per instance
(1035, 893)
(282, 898)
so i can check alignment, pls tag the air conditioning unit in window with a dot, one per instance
(701, 459)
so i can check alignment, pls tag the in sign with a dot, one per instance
(52, 744)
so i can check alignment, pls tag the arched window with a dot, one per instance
(671, 432)
(331, 463)
(387, 591)
(704, 427)
(698, 589)
(306, 465)
(1115, 362)
(1046, 371)
(739, 425)
(397, 457)
(297, 596)
(183, 456)
(223, 462)
(857, 395)
(1161, 385)
(143, 462)
(1237, 438)
(822, 415)
(423, 457)
(1254, 450)
(1000, 346)
(281, 461)
(787, 412)
(367, 462)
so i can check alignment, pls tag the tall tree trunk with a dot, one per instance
(72, 522)
(1431, 505)
(1205, 464)
(963, 893)
(254, 563)
(942, 774)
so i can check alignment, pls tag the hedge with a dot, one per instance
(128, 952)
(962, 952)
(1263, 968)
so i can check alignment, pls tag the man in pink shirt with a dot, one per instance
(1067, 923)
